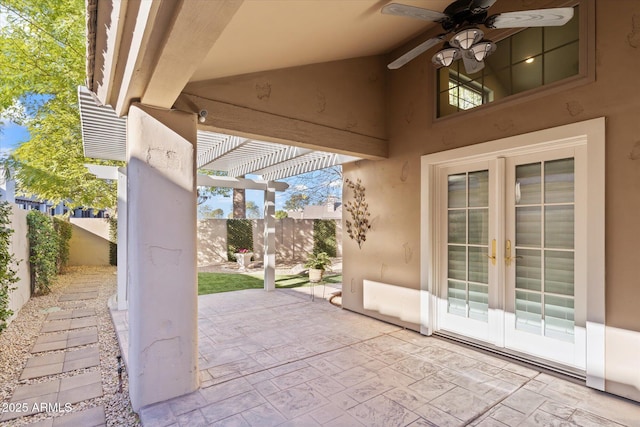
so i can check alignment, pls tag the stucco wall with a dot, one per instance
(89, 243)
(294, 240)
(20, 248)
(391, 252)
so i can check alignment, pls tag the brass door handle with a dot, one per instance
(507, 254)
(492, 257)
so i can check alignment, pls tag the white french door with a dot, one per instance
(511, 260)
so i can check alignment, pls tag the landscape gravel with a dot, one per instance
(18, 338)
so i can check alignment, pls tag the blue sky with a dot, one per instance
(11, 135)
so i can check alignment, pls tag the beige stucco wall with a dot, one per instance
(89, 243)
(354, 94)
(20, 249)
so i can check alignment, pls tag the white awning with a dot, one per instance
(104, 137)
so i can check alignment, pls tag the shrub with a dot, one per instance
(113, 240)
(44, 247)
(8, 276)
(64, 229)
(324, 236)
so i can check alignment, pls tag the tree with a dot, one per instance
(253, 211)
(317, 186)
(296, 202)
(207, 212)
(281, 214)
(41, 65)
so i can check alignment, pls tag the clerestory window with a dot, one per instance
(526, 60)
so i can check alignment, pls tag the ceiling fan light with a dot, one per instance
(464, 39)
(483, 49)
(446, 56)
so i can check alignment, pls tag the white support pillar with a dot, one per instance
(123, 293)
(270, 237)
(161, 252)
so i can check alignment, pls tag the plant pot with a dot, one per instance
(243, 260)
(315, 275)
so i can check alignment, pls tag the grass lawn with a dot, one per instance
(212, 283)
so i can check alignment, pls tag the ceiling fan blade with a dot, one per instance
(531, 18)
(479, 6)
(421, 48)
(471, 65)
(413, 12)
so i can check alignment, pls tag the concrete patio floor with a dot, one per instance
(279, 358)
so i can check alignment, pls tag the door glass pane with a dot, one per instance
(559, 317)
(545, 281)
(468, 239)
(457, 298)
(529, 312)
(478, 226)
(457, 226)
(457, 190)
(528, 184)
(528, 227)
(558, 181)
(479, 189)
(558, 227)
(478, 265)
(558, 272)
(479, 302)
(457, 262)
(529, 269)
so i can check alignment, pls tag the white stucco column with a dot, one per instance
(269, 237)
(161, 254)
(123, 295)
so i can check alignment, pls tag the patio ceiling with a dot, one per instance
(104, 137)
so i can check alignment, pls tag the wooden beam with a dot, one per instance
(196, 26)
(245, 183)
(254, 124)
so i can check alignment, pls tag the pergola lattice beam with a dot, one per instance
(302, 165)
(219, 149)
(269, 159)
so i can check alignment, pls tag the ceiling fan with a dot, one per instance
(463, 17)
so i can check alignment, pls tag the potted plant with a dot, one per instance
(317, 264)
(243, 258)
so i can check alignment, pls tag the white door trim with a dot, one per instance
(590, 133)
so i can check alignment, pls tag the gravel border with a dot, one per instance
(18, 338)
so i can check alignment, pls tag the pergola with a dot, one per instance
(104, 136)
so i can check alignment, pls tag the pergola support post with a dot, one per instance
(270, 237)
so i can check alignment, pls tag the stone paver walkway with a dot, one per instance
(55, 353)
(278, 358)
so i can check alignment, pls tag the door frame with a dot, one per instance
(589, 134)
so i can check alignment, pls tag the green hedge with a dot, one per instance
(239, 236)
(324, 237)
(113, 240)
(8, 276)
(48, 249)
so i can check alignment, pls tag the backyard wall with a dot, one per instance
(294, 240)
(20, 248)
(89, 243)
